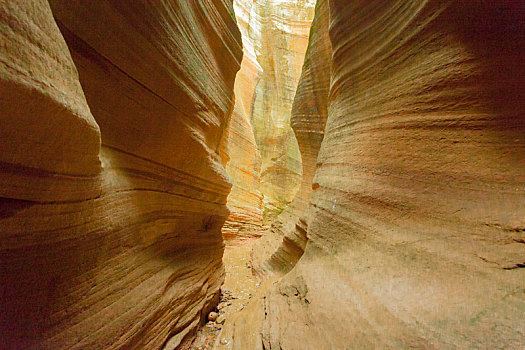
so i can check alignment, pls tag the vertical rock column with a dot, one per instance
(110, 230)
(280, 31)
(260, 149)
(242, 155)
(280, 247)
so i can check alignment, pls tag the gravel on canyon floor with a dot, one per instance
(239, 286)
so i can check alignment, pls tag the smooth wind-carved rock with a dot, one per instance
(279, 33)
(118, 118)
(281, 246)
(416, 223)
(242, 155)
(110, 210)
(263, 161)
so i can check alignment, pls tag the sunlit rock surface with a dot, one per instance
(110, 210)
(281, 246)
(279, 33)
(417, 220)
(261, 152)
(242, 155)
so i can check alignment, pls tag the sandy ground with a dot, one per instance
(239, 286)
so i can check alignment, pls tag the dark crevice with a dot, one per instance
(517, 266)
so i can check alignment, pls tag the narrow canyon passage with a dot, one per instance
(260, 149)
(262, 174)
(239, 287)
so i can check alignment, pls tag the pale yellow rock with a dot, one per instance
(239, 147)
(277, 38)
(283, 244)
(263, 160)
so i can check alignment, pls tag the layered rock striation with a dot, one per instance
(241, 151)
(279, 35)
(112, 189)
(416, 223)
(280, 247)
(263, 160)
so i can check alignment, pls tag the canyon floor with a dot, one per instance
(239, 286)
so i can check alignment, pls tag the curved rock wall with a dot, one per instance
(38, 76)
(244, 161)
(279, 32)
(416, 224)
(281, 246)
(110, 210)
(263, 159)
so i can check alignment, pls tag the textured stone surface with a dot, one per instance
(281, 246)
(416, 223)
(110, 230)
(261, 151)
(242, 155)
(38, 76)
(279, 34)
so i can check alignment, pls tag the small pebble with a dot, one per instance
(212, 316)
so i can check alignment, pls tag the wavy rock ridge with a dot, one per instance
(416, 223)
(110, 234)
(278, 33)
(280, 247)
(263, 161)
(408, 228)
(242, 154)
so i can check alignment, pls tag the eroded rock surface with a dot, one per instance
(281, 246)
(111, 210)
(279, 34)
(263, 160)
(242, 155)
(416, 226)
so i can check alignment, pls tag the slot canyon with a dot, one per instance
(262, 174)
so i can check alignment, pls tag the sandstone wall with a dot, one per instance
(110, 210)
(416, 223)
(243, 159)
(280, 247)
(263, 160)
(279, 32)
